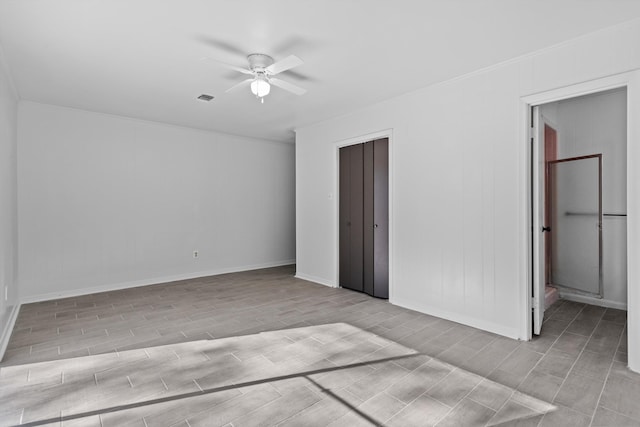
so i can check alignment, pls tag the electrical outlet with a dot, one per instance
(195, 254)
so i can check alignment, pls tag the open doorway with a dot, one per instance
(579, 209)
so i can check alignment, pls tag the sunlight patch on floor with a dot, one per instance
(315, 375)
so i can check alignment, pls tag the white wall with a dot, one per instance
(107, 202)
(598, 124)
(459, 234)
(8, 205)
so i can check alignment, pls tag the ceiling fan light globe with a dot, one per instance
(260, 88)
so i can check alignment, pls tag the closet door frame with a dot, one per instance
(386, 133)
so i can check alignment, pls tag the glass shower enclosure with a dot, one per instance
(574, 223)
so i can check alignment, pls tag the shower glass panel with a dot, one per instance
(575, 208)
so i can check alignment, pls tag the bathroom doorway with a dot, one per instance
(579, 204)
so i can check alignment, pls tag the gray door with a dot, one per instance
(364, 218)
(351, 217)
(376, 218)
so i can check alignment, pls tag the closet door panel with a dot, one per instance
(368, 220)
(344, 215)
(381, 218)
(356, 244)
(351, 217)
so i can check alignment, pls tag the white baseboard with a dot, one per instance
(314, 279)
(459, 318)
(151, 281)
(8, 329)
(593, 301)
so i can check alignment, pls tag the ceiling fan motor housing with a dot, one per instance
(259, 61)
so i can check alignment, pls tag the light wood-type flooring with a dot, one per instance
(265, 348)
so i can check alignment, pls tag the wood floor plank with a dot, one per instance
(262, 347)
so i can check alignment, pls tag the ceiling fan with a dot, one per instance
(262, 70)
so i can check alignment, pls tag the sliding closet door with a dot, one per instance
(351, 217)
(376, 212)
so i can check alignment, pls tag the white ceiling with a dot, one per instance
(141, 58)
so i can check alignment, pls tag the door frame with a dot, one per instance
(385, 133)
(630, 81)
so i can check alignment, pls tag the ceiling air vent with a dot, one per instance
(205, 97)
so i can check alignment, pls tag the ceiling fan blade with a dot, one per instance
(284, 65)
(220, 44)
(287, 86)
(241, 84)
(233, 67)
